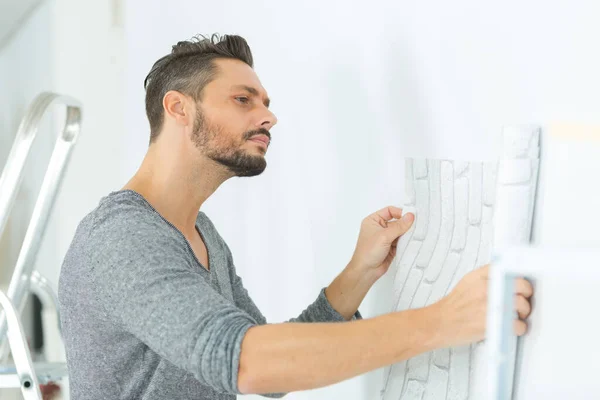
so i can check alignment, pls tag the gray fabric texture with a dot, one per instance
(142, 319)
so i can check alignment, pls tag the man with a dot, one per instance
(152, 306)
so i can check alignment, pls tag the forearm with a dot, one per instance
(283, 358)
(348, 290)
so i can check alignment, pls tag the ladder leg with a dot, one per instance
(21, 355)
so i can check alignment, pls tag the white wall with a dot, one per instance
(74, 48)
(25, 70)
(12, 15)
(356, 88)
(568, 213)
(89, 63)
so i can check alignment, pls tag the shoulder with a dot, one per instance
(123, 223)
(124, 211)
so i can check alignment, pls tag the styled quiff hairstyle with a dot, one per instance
(188, 69)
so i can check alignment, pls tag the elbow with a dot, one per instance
(249, 383)
(250, 380)
(246, 382)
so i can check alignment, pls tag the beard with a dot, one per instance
(233, 157)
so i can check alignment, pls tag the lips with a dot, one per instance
(262, 139)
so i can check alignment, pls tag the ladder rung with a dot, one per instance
(45, 372)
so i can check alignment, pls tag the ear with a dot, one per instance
(177, 107)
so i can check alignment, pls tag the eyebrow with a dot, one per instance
(254, 92)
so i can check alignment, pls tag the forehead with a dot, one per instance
(233, 74)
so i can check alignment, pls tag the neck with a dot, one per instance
(177, 184)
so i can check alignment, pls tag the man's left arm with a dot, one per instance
(321, 310)
(375, 250)
(347, 291)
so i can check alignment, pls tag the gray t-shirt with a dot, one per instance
(142, 319)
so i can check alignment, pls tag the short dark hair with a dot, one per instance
(188, 69)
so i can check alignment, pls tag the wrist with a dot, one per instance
(420, 329)
(438, 330)
(443, 327)
(364, 275)
(348, 289)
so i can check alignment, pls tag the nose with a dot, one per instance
(267, 120)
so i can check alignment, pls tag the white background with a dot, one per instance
(356, 88)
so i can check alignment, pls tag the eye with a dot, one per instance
(242, 99)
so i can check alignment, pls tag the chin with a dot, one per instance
(252, 166)
(243, 163)
(248, 173)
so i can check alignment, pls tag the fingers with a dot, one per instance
(519, 327)
(399, 227)
(523, 287)
(524, 291)
(522, 306)
(388, 213)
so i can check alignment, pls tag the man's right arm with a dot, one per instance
(290, 357)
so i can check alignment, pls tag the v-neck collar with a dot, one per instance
(209, 257)
(180, 234)
(217, 273)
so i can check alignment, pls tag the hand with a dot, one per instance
(379, 233)
(464, 309)
(50, 391)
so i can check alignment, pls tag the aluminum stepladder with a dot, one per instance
(24, 374)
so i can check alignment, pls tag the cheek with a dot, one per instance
(224, 139)
(227, 130)
(222, 135)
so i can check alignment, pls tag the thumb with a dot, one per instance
(399, 227)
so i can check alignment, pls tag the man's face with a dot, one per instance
(233, 120)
